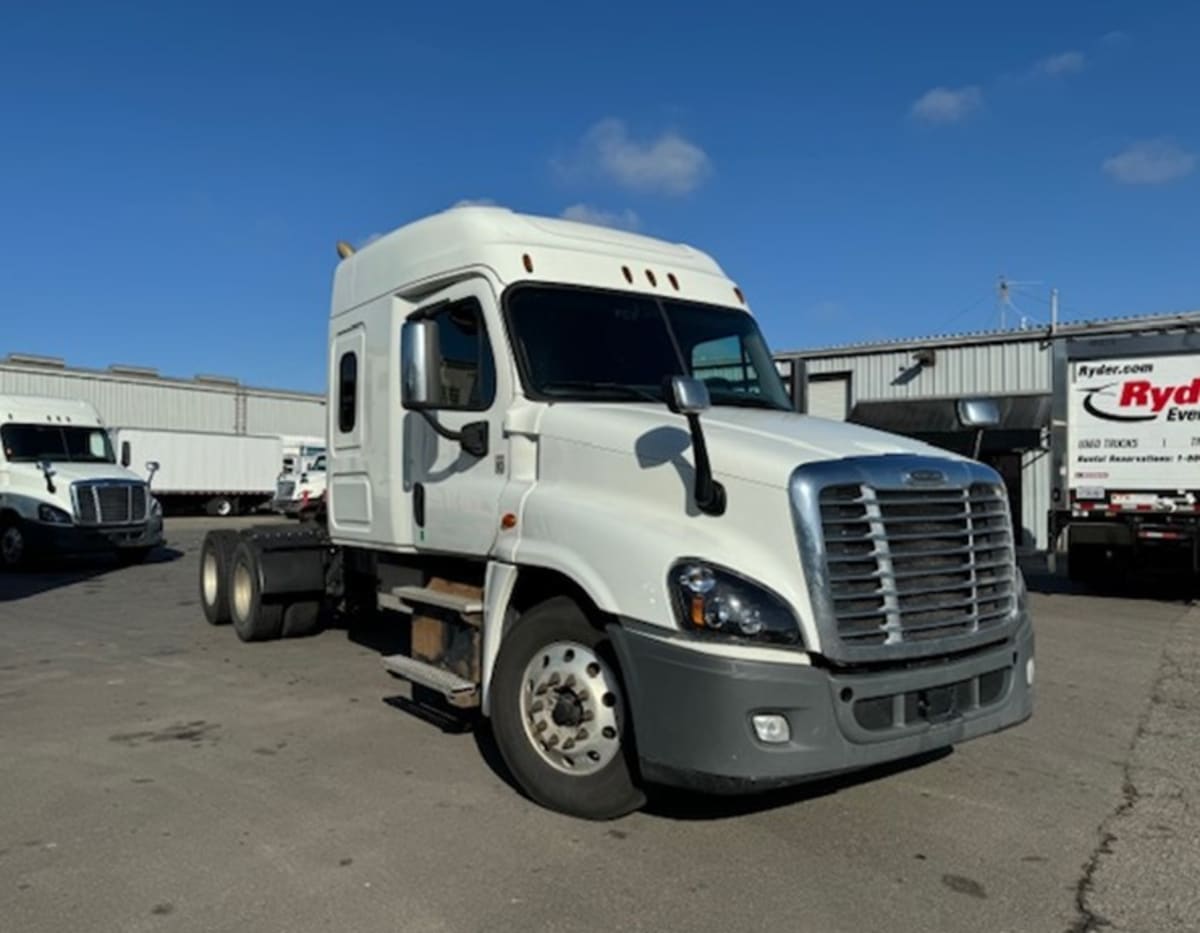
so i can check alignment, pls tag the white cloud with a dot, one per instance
(586, 214)
(666, 164)
(1150, 162)
(948, 105)
(1064, 63)
(1115, 37)
(474, 202)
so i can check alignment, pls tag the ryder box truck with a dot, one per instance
(1128, 488)
(563, 458)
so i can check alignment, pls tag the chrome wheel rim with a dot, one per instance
(224, 508)
(12, 545)
(241, 591)
(571, 708)
(210, 579)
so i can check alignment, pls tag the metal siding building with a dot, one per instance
(139, 398)
(910, 387)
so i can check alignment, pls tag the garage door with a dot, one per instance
(829, 396)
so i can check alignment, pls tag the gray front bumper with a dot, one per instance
(692, 711)
(72, 539)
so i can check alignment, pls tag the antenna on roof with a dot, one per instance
(344, 249)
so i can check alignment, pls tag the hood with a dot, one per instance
(67, 472)
(751, 444)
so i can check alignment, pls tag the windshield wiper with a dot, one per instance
(600, 388)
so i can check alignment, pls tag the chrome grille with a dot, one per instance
(907, 565)
(110, 503)
(285, 490)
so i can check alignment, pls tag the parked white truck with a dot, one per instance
(220, 474)
(301, 494)
(61, 489)
(566, 454)
(1128, 477)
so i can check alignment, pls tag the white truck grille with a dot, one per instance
(106, 502)
(909, 564)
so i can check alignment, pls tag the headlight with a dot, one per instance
(52, 515)
(712, 600)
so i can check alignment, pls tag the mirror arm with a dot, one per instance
(710, 494)
(473, 442)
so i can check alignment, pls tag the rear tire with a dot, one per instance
(302, 619)
(221, 506)
(567, 739)
(253, 620)
(216, 554)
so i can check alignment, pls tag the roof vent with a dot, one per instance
(36, 359)
(216, 380)
(126, 369)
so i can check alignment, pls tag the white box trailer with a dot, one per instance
(1129, 472)
(222, 473)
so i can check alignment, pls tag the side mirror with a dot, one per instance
(420, 364)
(47, 469)
(687, 395)
(152, 467)
(978, 413)
(126, 454)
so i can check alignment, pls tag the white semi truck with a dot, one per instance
(562, 457)
(301, 494)
(1127, 422)
(61, 488)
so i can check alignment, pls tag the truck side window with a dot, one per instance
(347, 391)
(724, 366)
(468, 371)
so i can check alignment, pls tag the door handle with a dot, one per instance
(419, 504)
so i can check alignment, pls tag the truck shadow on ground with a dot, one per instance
(1144, 586)
(69, 571)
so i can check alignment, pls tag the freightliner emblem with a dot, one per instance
(924, 477)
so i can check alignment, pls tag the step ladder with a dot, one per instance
(458, 691)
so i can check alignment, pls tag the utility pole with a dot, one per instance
(1053, 310)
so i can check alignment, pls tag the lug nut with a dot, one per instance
(568, 745)
(540, 726)
(536, 706)
(570, 681)
(552, 741)
(581, 734)
(554, 680)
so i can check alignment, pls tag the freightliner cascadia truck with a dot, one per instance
(563, 458)
(1127, 443)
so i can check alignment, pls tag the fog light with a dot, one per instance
(772, 728)
(1029, 672)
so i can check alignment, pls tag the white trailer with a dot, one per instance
(1129, 472)
(223, 474)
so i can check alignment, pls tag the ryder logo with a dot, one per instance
(1141, 400)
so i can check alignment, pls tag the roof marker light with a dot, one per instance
(628, 274)
(527, 260)
(674, 281)
(740, 297)
(650, 277)
(344, 249)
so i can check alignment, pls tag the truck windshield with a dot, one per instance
(591, 345)
(29, 443)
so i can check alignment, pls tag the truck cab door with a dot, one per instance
(456, 494)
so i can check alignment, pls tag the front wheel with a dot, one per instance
(560, 717)
(14, 545)
(221, 506)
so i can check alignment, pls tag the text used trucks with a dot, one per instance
(61, 488)
(1128, 477)
(565, 455)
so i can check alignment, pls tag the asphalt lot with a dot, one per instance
(156, 774)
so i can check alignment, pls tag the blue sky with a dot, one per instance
(173, 177)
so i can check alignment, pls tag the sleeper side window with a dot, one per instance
(347, 391)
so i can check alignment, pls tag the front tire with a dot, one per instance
(559, 714)
(253, 619)
(14, 545)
